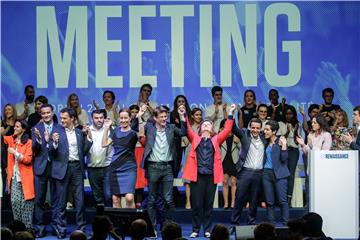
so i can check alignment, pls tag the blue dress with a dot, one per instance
(123, 165)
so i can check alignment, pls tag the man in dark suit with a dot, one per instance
(159, 158)
(42, 167)
(355, 142)
(276, 173)
(69, 145)
(249, 170)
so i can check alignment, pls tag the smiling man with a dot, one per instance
(160, 158)
(42, 167)
(249, 170)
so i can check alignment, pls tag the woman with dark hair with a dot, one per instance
(110, 106)
(20, 173)
(180, 142)
(230, 151)
(319, 138)
(249, 109)
(141, 181)
(122, 170)
(82, 117)
(289, 128)
(339, 130)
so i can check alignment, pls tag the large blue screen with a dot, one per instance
(182, 47)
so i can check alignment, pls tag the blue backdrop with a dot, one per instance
(184, 47)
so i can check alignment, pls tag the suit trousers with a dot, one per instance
(248, 184)
(41, 188)
(275, 189)
(293, 158)
(73, 176)
(97, 178)
(202, 200)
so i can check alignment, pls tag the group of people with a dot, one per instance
(125, 150)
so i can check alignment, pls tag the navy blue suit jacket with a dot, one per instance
(356, 145)
(245, 138)
(279, 160)
(61, 153)
(41, 151)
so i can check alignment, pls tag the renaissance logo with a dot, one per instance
(337, 156)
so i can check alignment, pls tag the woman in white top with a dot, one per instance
(289, 128)
(73, 102)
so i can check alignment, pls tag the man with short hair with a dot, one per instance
(171, 230)
(99, 158)
(355, 142)
(215, 112)
(68, 147)
(35, 117)
(275, 109)
(328, 109)
(24, 109)
(159, 158)
(42, 168)
(249, 170)
(144, 99)
(138, 229)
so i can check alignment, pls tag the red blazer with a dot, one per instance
(190, 170)
(25, 166)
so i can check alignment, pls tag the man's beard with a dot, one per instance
(30, 98)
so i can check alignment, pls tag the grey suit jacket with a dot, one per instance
(171, 130)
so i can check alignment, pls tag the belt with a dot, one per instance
(74, 161)
(160, 163)
(252, 170)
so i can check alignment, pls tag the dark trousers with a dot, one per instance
(41, 187)
(275, 189)
(202, 200)
(247, 187)
(73, 176)
(97, 179)
(160, 175)
(293, 158)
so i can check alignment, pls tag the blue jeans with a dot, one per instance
(160, 175)
(275, 189)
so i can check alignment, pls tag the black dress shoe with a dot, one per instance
(41, 234)
(60, 235)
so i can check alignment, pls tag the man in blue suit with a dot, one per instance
(249, 170)
(355, 142)
(276, 173)
(42, 167)
(68, 147)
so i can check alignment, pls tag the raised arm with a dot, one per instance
(304, 124)
(106, 140)
(182, 131)
(228, 125)
(283, 149)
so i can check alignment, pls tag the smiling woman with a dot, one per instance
(20, 173)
